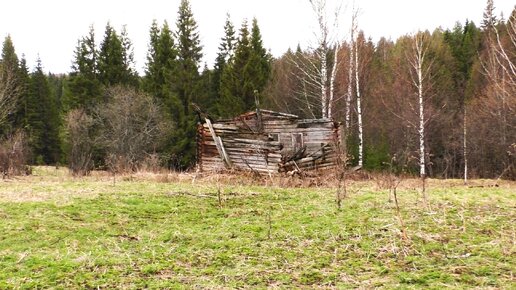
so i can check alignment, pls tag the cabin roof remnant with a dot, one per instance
(269, 113)
(266, 141)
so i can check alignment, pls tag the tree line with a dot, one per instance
(104, 115)
(437, 103)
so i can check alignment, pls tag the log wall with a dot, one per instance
(272, 147)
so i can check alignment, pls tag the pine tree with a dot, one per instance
(43, 119)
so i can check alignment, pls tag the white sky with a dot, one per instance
(51, 28)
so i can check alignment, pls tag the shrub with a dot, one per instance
(14, 153)
(80, 141)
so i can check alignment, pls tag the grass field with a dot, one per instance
(173, 231)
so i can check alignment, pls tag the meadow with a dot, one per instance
(172, 230)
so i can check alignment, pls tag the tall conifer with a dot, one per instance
(111, 58)
(43, 119)
(246, 74)
(225, 53)
(83, 88)
(186, 86)
(9, 64)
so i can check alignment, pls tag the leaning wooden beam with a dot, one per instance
(219, 145)
(226, 156)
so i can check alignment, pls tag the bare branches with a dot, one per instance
(79, 128)
(315, 69)
(499, 66)
(132, 127)
(501, 58)
(14, 153)
(420, 70)
(502, 52)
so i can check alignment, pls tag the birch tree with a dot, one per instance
(349, 94)
(499, 67)
(317, 68)
(419, 73)
(359, 104)
(502, 57)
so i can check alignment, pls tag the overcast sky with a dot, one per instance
(51, 28)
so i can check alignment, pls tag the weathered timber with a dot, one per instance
(219, 144)
(278, 142)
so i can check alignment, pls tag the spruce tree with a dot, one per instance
(247, 73)
(186, 86)
(159, 80)
(9, 64)
(83, 88)
(206, 89)
(225, 53)
(259, 62)
(43, 119)
(189, 55)
(24, 92)
(9, 59)
(161, 63)
(111, 58)
(167, 59)
(234, 86)
(130, 76)
(152, 78)
(55, 82)
(115, 59)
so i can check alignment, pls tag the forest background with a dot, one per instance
(104, 114)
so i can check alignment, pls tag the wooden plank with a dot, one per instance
(211, 150)
(219, 144)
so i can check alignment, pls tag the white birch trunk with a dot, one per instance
(422, 172)
(418, 65)
(332, 79)
(350, 78)
(324, 80)
(359, 112)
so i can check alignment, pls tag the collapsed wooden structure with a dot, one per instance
(265, 141)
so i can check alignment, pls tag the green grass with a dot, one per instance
(60, 232)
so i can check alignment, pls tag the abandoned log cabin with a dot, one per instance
(265, 141)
